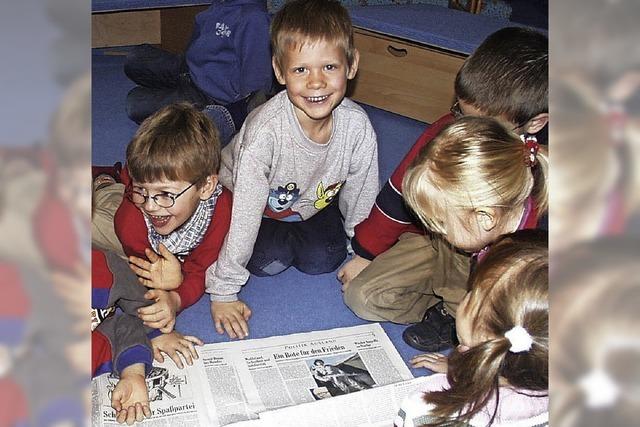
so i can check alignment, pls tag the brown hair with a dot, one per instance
(507, 75)
(473, 162)
(509, 288)
(177, 143)
(301, 21)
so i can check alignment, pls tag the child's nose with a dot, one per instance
(150, 205)
(316, 80)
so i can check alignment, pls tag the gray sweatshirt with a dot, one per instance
(274, 170)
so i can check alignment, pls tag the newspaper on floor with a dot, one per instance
(236, 381)
(377, 407)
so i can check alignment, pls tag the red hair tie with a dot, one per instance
(531, 148)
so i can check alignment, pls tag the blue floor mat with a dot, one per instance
(291, 301)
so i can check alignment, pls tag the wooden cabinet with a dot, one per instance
(404, 77)
(169, 27)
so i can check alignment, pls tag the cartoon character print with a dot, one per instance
(284, 197)
(326, 196)
(280, 201)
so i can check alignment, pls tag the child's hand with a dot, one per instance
(175, 344)
(435, 362)
(162, 314)
(233, 316)
(130, 398)
(162, 271)
(351, 269)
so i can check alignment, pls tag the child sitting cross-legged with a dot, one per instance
(498, 375)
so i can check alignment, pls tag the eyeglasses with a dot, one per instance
(458, 113)
(164, 199)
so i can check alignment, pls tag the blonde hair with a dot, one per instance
(302, 21)
(509, 288)
(178, 143)
(472, 163)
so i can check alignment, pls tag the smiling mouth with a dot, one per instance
(316, 98)
(159, 221)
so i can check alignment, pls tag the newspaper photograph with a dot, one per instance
(236, 381)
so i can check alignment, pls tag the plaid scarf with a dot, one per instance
(182, 241)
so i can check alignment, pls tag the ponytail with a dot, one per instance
(473, 376)
(540, 171)
(508, 308)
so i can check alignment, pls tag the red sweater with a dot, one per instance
(132, 232)
(390, 216)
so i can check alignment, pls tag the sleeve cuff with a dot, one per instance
(134, 354)
(223, 298)
(360, 251)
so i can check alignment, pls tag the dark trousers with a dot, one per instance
(315, 246)
(163, 78)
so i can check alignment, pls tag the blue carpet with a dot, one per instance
(291, 301)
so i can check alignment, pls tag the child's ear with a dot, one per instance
(277, 71)
(536, 123)
(354, 65)
(486, 218)
(209, 187)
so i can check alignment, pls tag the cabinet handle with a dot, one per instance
(398, 53)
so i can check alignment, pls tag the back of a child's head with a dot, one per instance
(474, 162)
(509, 292)
(309, 21)
(507, 75)
(176, 143)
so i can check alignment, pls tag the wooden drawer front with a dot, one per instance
(404, 78)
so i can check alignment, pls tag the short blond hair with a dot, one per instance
(473, 162)
(178, 143)
(301, 21)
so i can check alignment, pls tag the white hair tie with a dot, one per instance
(519, 338)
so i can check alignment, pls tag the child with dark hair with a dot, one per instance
(499, 373)
(301, 163)
(398, 273)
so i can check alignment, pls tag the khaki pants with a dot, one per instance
(402, 283)
(105, 204)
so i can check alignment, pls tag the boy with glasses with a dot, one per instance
(399, 274)
(174, 216)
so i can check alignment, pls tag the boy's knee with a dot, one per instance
(322, 264)
(356, 297)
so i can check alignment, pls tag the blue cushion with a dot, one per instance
(116, 5)
(428, 24)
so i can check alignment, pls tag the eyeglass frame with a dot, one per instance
(170, 195)
(457, 114)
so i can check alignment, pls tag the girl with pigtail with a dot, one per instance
(498, 375)
(476, 181)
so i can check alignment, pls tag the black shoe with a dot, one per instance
(436, 332)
